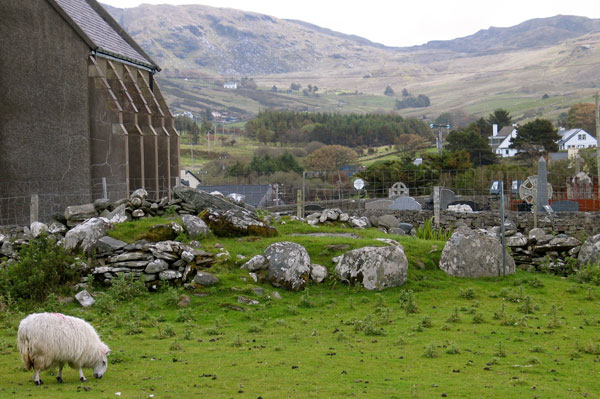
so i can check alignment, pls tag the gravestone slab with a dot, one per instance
(378, 204)
(405, 204)
(446, 198)
(565, 206)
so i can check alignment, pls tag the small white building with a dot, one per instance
(576, 138)
(230, 85)
(500, 141)
(189, 179)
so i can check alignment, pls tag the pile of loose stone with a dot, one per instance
(149, 261)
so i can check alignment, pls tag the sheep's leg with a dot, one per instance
(81, 376)
(59, 375)
(36, 378)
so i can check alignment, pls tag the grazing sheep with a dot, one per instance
(53, 339)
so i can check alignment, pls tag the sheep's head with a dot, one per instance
(102, 364)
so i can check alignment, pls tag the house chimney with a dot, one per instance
(494, 130)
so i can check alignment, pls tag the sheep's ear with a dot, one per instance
(105, 350)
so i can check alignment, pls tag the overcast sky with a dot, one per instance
(400, 22)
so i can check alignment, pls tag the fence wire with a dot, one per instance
(572, 192)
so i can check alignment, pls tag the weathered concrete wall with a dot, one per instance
(44, 130)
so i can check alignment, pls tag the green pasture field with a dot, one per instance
(526, 335)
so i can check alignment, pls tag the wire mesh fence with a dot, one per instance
(569, 191)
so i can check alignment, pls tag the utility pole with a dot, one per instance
(438, 140)
(598, 141)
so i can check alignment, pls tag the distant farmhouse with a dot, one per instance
(570, 139)
(500, 141)
(79, 107)
(576, 138)
(230, 85)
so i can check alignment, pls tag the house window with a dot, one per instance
(581, 137)
(506, 152)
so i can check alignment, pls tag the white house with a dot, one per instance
(500, 141)
(189, 179)
(230, 85)
(576, 138)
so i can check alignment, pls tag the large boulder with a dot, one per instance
(590, 251)
(474, 253)
(222, 217)
(85, 235)
(289, 265)
(194, 226)
(376, 268)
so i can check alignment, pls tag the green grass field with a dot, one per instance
(524, 336)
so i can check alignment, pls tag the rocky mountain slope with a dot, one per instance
(201, 47)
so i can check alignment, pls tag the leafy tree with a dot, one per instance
(405, 93)
(295, 86)
(274, 89)
(331, 158)
(536, 137)
(500, 117)
(470, 140)
(248, 83)
(388, 91)
(421, 101)
(265, 135)
(194, 133)
(485, 129)
(582, 116)
(206, 126)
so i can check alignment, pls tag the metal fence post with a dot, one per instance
(502, 227)
(303, 193)
(299, 204)
(34, 208)
(104, 189)
(436, 206)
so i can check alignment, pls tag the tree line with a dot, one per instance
(352, 130)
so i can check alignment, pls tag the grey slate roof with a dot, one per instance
(101, 32)
(568, 134)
